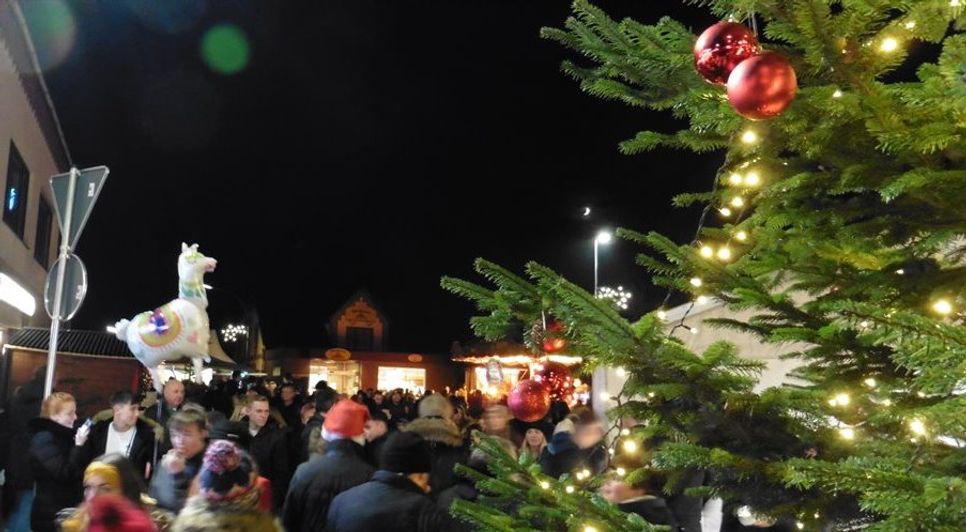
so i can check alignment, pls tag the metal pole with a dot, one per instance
(59, 285)
(596, 244)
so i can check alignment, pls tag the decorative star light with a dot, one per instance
(232, 332)
(620, 297)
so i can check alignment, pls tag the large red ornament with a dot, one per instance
(721, 48)
(553, 337)
(528, 401)
(763, 86)
(556, 377)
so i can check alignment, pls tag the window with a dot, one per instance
(15, 195)
(358, 338)
(405, 378)
(42, 240)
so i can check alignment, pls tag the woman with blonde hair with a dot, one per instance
(113, 474)
(534, 442)
(51, 442)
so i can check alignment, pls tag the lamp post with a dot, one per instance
(603, 237)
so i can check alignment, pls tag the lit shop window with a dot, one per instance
(405, 378)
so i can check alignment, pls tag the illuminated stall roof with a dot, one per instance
(518, 360)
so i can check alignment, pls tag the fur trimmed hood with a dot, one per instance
(436, 429)
(198, 515)
(155, 427)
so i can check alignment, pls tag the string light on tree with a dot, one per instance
(752, 179)
(621, 372)
(837, 94)
(724, 253)
(545, 485)
(707, 252)
(741, 236)
(569, 489)
(749, 136)
(917, 427)
(630, 446)
(870, 382)
(847, 433)
(942, 307)
(910, 25)
(888, 45)
(735, 179)
(737, 202)
(696, 282)
(621, 471)
(701, 300)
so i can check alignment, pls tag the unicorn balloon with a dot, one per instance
(177, 329)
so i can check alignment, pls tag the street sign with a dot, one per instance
(86, 189)
(75, 288)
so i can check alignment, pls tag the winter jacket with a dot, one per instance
(447, 446)
(390, 502)
(171, 489)
(200, 515)
(142, 448)
(561, 456)
(319, 480)
(58, 481)
(270, 450)
(654, 510)
(374, 450)
(309, 437)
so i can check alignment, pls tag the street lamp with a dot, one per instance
(603, 237)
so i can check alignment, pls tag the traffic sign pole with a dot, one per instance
(59, 286)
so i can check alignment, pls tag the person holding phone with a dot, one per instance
(124, 433)
(58, 480)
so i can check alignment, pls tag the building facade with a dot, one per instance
(31, 151)
(358, 356)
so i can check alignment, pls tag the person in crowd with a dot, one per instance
(463, 421)
(115, 513)
(446, 444)
(343, 466)
(474, 404)
(269, 447)
(18, 486)
(306, 412)
(324, 398)
(395, 499)
(398, 410)
(589, 437)
(534, 442)
(379, 403)
(52, 442)
(376, 432)
(465, 488)
(643, 497)
(289, 405)
(170, 483)
(218, 396)
(113, 474)
(561, 455)
(123, 432)
(237, 433)
(227, 497)
(172, 401)
(496, 421)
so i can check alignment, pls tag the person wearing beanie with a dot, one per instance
(447, 446)
(562, 455)
(227, 495)
(396, 499)
(341, 467)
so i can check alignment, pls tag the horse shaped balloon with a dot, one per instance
(177, 329)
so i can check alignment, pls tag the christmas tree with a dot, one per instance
(839, 221)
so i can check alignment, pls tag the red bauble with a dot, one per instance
(763, 86)
(556, 377)
(553, 337)
(721, 48)
(529, 401)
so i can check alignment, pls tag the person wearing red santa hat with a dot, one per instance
(342, 466)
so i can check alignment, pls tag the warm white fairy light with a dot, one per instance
(621, 372)
(737, 201)
(954, 3)
(735, 179)
(545, 485)
(604, 396)
(842, 399)
(749, 136)
(837, 94)
(741, 236)
(701, 300)
(870, 382)
(630, 446)
(625, 432)
(752, 179)
(918, 427)
(694, 330)
(725, 211)
(724, 254)
(696, 282)
(887, 402)
(943, 306)
(847, 433)
(569, 489)
(231, 332)
(661, 315)
(911, 24)
(589, 528)
(620, 297)
(799, 525)
(707, 252)
(889, 44)
(621, 471)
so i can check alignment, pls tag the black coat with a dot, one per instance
(447, 447)
(319, 480)
(57, 478)
(390, 502)
(374, 450)
(270, 450)
(561, 456)
(654, 510)
(142, 448)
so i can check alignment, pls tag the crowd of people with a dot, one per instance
(249, 454)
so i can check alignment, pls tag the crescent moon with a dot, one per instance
(586, 211)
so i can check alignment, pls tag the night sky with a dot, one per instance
(365, 144)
